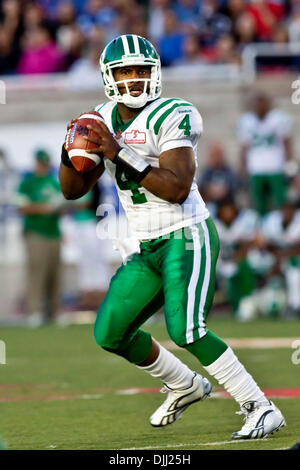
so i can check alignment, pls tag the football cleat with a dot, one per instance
(178, 401)
(261, 419)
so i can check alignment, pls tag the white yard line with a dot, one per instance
(246, 343)
(198, 444)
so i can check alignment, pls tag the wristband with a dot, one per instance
(65, 157)
(136, 167)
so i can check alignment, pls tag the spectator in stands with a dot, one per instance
(65, 13)
(266, 15)
(294, 22)
(97, 12)
(225, 51)
(33, 15)
(9, 53)
(188, 11)
(10, 31)
(191, 50)
(131, 17)
(225, 27)
(213, 23)
(171, 43)
(40, 53)
(39, 200)
(265, 136)
(85, 73)
(245, 30)
(218, 181)
(156, 24)
(234, 9)
(71, 42)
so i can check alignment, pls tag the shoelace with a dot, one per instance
(249, 417)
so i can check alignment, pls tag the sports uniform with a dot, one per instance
(265, 158)
(282, 236)
(238, 276)
(163, 230)
(178, 245)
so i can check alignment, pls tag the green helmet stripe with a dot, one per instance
(155, 111)
(130, 44)
(160, 120)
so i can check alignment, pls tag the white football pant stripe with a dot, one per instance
(205, 285)
(193, 284)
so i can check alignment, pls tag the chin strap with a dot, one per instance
(135, 101)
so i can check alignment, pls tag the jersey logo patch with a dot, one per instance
(135, 137)
(118, 135)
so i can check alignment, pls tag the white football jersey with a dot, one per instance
(275, 232)
(264, 140)
(243, 228)
(164, 124)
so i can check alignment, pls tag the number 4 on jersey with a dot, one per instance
(125, 184)
(185, 125)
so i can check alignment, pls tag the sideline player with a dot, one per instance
(150, 147)
(265, 136)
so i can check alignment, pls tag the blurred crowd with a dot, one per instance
(47, 36)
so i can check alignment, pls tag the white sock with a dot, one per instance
(230, 373)
(170, 370)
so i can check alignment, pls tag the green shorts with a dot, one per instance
(178, 273)
(268, 192)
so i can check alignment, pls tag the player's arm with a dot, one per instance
(74, 184)
(173, 179)
(36, 209)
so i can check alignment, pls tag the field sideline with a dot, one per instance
(58, 390)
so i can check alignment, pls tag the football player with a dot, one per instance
(281, 230)
(150, 148)
(265, 136)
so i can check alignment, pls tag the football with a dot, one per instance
(77, 146)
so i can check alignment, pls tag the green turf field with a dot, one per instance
(58, 390)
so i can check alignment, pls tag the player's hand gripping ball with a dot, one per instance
(77, 145)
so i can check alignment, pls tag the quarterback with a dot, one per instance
(149, 146)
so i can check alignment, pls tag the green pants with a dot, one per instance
(176, 272)
(240, 285)
(268, 192)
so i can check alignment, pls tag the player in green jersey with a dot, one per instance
(150, 145)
